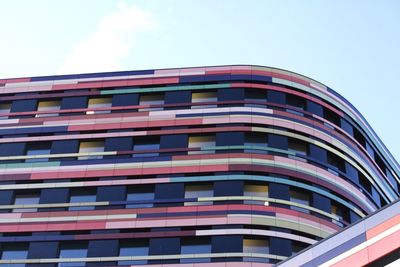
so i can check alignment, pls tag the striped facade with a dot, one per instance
(215, 166)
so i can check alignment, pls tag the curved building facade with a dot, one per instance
(210, 166)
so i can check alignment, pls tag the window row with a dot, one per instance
(152, 246)
(154, 101)
(174, 194)
(149, 146)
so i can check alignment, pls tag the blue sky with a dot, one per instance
(352, 46)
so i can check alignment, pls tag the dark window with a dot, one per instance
(298, 146)
(300, 197)
(71, 250)
(16, 251)
(295, 101)
(133, 248)
(332, 116)
(140, 197)
(150, 102)
(102, 248)
(82, 196)
(147, 146)
(38, 152)
(196, 246)
(336, 161)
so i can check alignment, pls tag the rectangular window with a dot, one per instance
(149, 101)
(70, 251)
(255, 95)
(148, 147)
(254, 140)
(92, 149)
(300, 198)
(14, 252)
(138, 250)
(195, 247)
(141, 197)
(48, 106)
(298, 146)
(201, 143)
(99, 103)
(204, 97)
(198, 191)
(37, 149)
(259, 246)
(26, 199)
(82, 196)
(4, 109)
(256, 190)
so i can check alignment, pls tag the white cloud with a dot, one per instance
(109, 44)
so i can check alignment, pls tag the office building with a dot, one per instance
(210, 166)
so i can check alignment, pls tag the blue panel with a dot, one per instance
(64, 146)
(229, 138)
(6, 197)
(320, 202)
(351, 173)
(54, 195)
(280, 246)
(279, 191)
(111, 193)
(173, 97)
(43, 250)
(276, 97)
(103, 248)
(118, 144)
(261, 78)
(226, 243)
(119, 100)
(228, 188)
(170, 190)
(74, 102)
(204, 78)
(318, 153)
(278, 141)
(315, 108)
(12, 149)
(346, 126)
(174, 141)
(23, 105)
(164, 246)
(230, 94)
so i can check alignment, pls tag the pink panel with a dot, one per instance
(358, 259)
(384, 246)
(383, 226)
